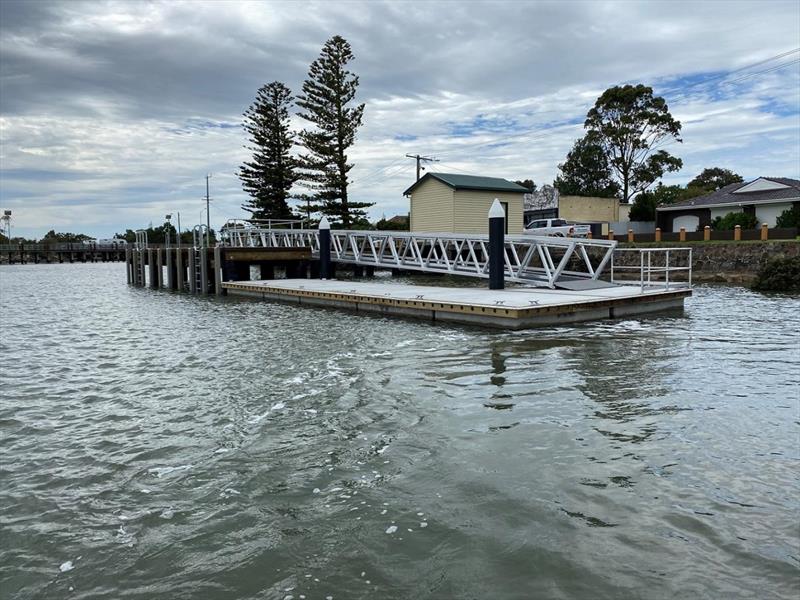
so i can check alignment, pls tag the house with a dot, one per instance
(453, 203)
(765, 197)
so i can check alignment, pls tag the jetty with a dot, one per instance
(24, 253)
(533, 281)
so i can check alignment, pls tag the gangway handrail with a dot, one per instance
(646, 268)
(528, 259)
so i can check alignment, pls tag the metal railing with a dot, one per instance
(141, 239)
(655, 273)
(61, 247)
(264, 224)
(528, 259)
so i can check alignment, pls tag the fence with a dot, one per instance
(708, 234)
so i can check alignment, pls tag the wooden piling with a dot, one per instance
(611, 234)
(218, 271)
(181, 270)
(203, 271)
(160, 267)
(737, 233)
(682, 234)
(764, 232)
(707, 233)
(170, 269)
(630, 235)
(151, 267)
(658, 234)
(128, 265)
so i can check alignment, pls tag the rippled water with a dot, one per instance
(157, 445)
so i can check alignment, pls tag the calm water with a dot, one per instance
(157, 445)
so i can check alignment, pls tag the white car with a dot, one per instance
(556, 227)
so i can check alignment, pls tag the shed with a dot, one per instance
(454, 203)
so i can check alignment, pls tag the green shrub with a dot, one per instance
(789, 218)
(732, 219)
(781, 274)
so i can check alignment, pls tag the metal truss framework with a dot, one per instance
(528, 259)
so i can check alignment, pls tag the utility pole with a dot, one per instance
(421, 159)
(208, 212)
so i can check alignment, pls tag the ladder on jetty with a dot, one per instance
(198, 280)
(139, 266)
(549, 261)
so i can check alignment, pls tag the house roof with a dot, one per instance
(764, 190)
(470, 182)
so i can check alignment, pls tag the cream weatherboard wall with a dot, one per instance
(432, 207)
(589, 208)
(471, 209)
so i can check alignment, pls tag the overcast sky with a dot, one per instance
(113, 112)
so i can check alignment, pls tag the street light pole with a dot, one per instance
(208, 212)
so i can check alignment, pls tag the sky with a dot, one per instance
(112, 113)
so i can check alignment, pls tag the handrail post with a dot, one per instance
(641, 271)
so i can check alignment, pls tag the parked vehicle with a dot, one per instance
(556, 227)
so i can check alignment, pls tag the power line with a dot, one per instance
(543, 133)
(729, 73)
(421, 159)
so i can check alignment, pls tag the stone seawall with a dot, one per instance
(731, 262)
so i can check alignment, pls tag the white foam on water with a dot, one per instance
(258, 419)
(383, 512)
(391, 529)
(278, 406)
(404, 344)
(145, 491)
(423, 524)
(161, 471)
(419, 514)
(382, 450)
(316, 491)
(221, 450)
(167, 514)
(67, 566)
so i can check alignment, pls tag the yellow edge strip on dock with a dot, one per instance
(455, 307)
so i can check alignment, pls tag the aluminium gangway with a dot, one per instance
(538, 260)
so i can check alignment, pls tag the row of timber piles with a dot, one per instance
(61, 253)
(203, 270)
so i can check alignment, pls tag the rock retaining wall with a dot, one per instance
(733, 262)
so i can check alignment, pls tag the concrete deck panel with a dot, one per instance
(512, 308)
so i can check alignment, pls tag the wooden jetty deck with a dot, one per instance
(511, 308)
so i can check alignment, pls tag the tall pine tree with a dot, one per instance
(327, 94)
(271, 174)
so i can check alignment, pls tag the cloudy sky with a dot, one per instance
(112, 113)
